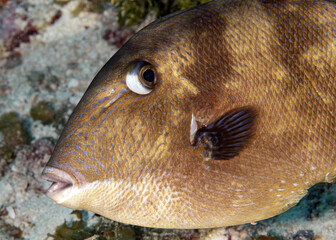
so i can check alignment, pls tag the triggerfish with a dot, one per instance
(219, 115)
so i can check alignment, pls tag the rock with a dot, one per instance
(10, 230)
(13, 60)
(304, 235)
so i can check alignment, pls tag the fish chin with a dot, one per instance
(63, 185)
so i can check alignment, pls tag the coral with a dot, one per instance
(104, 229)
(56, 16)
(267, 238)
(13, 60)
(20, 186)
(4, 90)
(81, 6)
(10, 230)
(75, 231)
(318, 201)
(22, 36)
(91, 6)
(36, 76)
(118, 37)
(43, 79)
(43, 111)
(13, 134)
(13, 130)
(132, 12)
(304, 235)
(34, 157)
(8, 28)
(10, 32)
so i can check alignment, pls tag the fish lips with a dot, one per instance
(62, 183)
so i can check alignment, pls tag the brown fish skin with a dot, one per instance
(128, 157)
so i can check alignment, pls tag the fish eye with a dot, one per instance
(141, 78)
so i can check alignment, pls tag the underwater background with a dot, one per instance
(50, 50)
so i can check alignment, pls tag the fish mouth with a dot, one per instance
(61, 182)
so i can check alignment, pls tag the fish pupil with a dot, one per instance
(149, 75)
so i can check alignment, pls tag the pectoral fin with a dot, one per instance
(227, 136)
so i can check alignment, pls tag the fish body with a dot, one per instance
(220, 115)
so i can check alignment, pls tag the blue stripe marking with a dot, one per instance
(100, 100)
(87, 166)
(101, 165)
(109, 113)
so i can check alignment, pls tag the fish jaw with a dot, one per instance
(63, 185)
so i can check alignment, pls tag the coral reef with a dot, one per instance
(134, 12)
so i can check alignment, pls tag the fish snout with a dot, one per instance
(62, 183)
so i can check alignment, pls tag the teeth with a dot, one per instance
(60, 180)
(58, 186)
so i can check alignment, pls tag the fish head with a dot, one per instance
(126, 137)
(201, 121)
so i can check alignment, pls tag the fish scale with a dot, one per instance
(237, 123)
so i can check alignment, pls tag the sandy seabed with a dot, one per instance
(68, 47)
